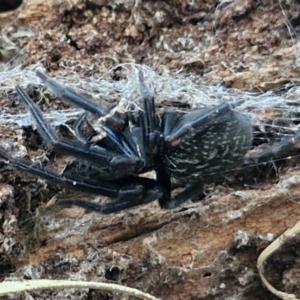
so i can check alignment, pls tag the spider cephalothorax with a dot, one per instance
(185, 147)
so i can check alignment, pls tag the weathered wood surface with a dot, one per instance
(204, 250)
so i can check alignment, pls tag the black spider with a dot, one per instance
(185, 147)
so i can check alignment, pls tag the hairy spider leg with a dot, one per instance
(66, 93)
(132, 191)
(99, 155)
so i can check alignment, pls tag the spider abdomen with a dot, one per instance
(215, 147)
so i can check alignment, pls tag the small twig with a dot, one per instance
(29, 285)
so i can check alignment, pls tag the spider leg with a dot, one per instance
(83, 134)
(192, 190)
(204, 119)
(118, 141)
(150, 120)
(113, 206)
(112, 125)
(66, 93)
(95, 153)
(163, 178)
(278, 150)
(131, 191)
(165, 201)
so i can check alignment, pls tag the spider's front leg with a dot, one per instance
(129, 192)
(112, 125)
(101, 156)
(64, 92)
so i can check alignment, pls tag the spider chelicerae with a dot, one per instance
(185, 148)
